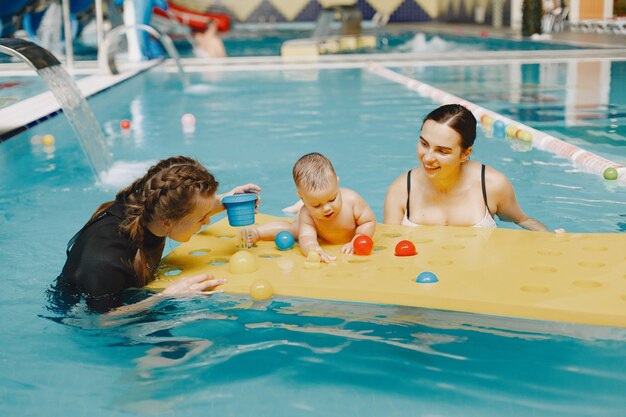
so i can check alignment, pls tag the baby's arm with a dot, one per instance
(307, 237)
(365, 221)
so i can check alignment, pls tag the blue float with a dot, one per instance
(284, 240)
(499, 129)
(426, 277)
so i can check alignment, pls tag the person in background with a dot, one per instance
(210, 45)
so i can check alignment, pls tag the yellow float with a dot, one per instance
(577, 278)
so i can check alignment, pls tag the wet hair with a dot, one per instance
(458, 118)
(169, 190)
(313, 172)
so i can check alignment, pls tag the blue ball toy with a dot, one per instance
(426, 277)
(284, 240)
(499, 129)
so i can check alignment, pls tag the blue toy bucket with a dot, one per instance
(240, 209)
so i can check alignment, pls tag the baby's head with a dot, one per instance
(317, 185)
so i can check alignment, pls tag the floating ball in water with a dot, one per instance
(524, 135)
(426, 277)
(47, 140)
(486, 120)
(261, 289)
(498, 129)
(363, 245)
(284, 240)
(125, 124)
(188, 119)
(511, 131)
(405, 248)
(242, 262)
(610, 173)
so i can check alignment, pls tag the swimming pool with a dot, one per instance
(268, 42)
(227, 355)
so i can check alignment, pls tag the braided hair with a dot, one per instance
(168, 191)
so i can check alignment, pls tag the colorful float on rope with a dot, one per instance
(569, 277)
(197, 21)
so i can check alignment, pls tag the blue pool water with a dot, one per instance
(579, 102)
(227, 355)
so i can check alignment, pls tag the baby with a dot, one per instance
(336, 215)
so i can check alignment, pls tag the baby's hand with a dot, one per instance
(324, 256)
(348, 248)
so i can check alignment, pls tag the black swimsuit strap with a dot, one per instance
(482, 180)
(408, 193)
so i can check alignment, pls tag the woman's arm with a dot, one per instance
(507, 207)
(203, 284)
(395, 201)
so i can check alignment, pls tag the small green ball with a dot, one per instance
(610, 174)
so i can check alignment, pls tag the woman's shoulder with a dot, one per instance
(496, 182)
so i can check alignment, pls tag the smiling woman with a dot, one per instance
(448, 189)
(121, 245)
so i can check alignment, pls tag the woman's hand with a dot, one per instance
(246, 188)
(203, 284)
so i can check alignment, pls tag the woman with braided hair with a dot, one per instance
(121, 245)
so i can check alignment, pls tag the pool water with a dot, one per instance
(578, 102)
(227, 355)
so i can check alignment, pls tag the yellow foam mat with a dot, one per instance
(579, 278)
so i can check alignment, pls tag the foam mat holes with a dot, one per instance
(269, 255)
(440, 262)
(338, 274)
(591, 264)
(379, 248)
(199, 252)
(392, 234)
(358, 261)
(596, 248)
(390, 268)
(543, 269)
(172, 272)
(535, 289)
(587, 283)
(550, 252)
(453, 247)
(225, 236)
(418, 241)
(218, 261)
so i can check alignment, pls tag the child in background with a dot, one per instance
(336, 215)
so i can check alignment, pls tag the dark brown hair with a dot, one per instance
(168, 191)
(459, 119)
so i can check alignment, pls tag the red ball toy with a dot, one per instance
(363, 245)
(125, 124)
(405, 248)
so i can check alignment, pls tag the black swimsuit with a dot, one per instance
(99, 256)
(408, 191)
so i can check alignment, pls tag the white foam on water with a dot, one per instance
(123, 173)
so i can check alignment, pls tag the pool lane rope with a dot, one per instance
(587, 160)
